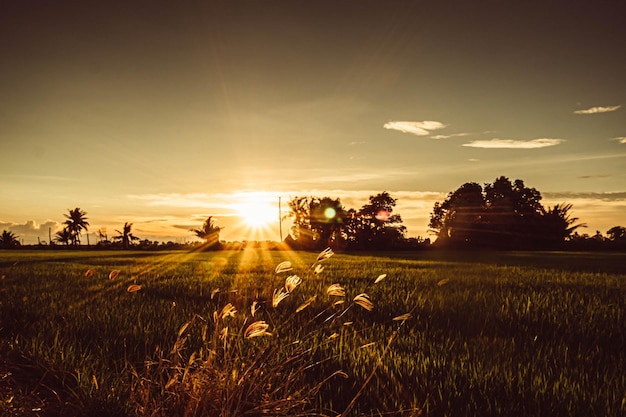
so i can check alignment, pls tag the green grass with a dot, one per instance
(516, 334)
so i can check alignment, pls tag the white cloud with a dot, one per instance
(415, 128)
(599, 109)
(513, 144)
(30, 231)
(620, 139)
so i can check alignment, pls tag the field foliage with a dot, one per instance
(516, 334)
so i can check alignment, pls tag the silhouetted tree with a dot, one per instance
(125, 235)
(8, 240)
(318, 222)
(616, 233)
(374, 226)
(76, 222)
(209, 232)
(557, 225)
(459, 219)
(63, 236)
(503, 215)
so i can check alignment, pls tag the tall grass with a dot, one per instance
(494, 338)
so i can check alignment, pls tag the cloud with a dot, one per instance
(513, 144)
(454, 135)
(594, 110)
(598, 196)
(620, 139)
(30, 230)
(415, 128)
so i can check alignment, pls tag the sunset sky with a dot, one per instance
(163, 113)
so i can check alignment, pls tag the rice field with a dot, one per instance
(432, 334)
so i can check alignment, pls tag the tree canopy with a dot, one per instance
(320, 222)
(8, 240)
(504, 215)
(209, 232)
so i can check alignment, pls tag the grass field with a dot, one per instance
(465, 334)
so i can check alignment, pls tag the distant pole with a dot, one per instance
(280, 220)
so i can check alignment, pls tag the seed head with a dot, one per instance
(325, 254)
(228, 310)
(258, 328)
(279, 295)
(364, 301)
(283, 267)
(133, 288)
(336, 290)
(292, 282)
(380, 278)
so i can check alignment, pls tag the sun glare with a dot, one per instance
(256, 210)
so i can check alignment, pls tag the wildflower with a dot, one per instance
(306, 304)
(258, 328)
(364, 301)
(336, 290)
(133, 288)
(228, 310)
(318, 268)
(114, 274)
(283, 267)
(325, 254)
(380, 278)
(292, 282)
(279, 295)
(89, 273)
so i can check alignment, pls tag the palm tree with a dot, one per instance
(125, 235)
(64, 236)
(8, 240)
(75, 223)
(209, 232)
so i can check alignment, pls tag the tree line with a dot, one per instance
(504, 215)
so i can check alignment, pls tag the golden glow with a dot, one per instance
(257, 210)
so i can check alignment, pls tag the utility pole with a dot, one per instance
(280, 220)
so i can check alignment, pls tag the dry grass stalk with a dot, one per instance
(292, 282)
(325, 254)
(364, 301)
(336, 290)
(256, 329)
(133, 288)
(306, 304)
(443, 282)
(380, 278)
(284, 266)
(279, 295)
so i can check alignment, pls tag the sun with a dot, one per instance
(257, 211)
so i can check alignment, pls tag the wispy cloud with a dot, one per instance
(598, 109)
(415, 128)
(514, 144)
(454, 135)
(620, 139)
(567, 195)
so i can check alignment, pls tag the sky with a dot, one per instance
(164, 113)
